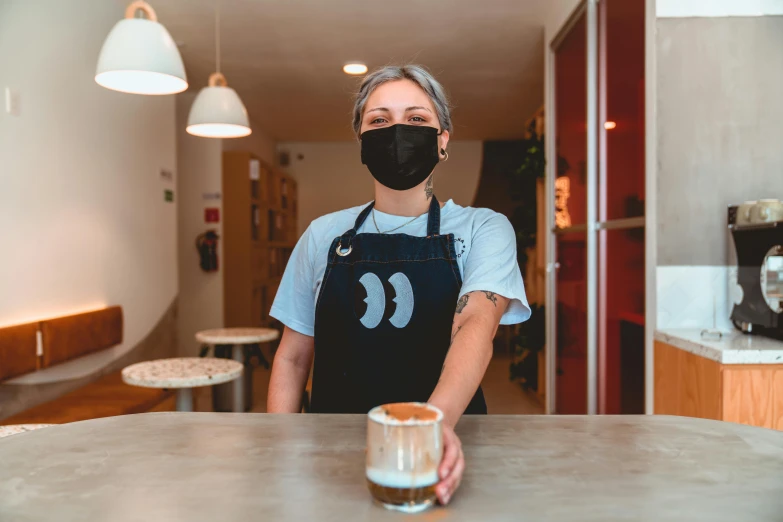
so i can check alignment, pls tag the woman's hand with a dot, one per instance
(451, 467)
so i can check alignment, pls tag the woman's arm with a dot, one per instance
(475, 324)
(290, 371)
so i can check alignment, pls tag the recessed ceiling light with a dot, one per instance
(609, 125)
(354, 68)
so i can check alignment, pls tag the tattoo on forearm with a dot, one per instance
(428, 187)
(491, 297)
(453, 335)
(462, 303)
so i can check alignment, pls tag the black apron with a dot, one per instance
(383, 318)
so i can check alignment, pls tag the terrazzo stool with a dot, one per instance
(237, 338)
(14, 429)
(182, 374)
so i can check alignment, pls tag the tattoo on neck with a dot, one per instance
(462, 303)
(428, 187)
(491, 297)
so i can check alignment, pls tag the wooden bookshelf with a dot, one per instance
(260, 207)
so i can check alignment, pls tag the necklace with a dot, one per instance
(392, 230)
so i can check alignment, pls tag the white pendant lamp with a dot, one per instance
(217, 111)
(140, 57)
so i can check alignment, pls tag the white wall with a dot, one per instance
(199, 167)
(199, 162)
(718, 120)
(81, 196)
(717, 8)
(331, 176)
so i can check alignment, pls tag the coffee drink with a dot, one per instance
(404, 450)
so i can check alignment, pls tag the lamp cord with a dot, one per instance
(217, 35)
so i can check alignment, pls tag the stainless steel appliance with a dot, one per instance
(757, 230)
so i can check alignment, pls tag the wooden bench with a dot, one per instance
(34, 346)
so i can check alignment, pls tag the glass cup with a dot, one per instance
(404, 450)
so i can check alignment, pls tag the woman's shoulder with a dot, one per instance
(478, 216)
(333, 224)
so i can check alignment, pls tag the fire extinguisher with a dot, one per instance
(206, 244)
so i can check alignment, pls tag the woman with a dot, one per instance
(398, 300)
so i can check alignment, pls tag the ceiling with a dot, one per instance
(285, 57)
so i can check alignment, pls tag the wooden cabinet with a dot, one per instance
(753, 395)
(259, 234)
(693, 386)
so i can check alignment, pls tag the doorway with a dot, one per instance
(596, 214)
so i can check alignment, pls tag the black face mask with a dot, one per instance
(400, 156)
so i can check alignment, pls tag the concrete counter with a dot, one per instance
(208, 466)
(733, 347)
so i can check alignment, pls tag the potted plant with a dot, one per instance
(527, 344)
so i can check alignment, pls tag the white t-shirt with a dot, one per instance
(484, 241)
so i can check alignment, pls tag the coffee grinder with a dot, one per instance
(757, 230)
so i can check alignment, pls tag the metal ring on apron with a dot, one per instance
(342, 253)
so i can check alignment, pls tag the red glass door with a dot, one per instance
(596, 254)
(570, 207)
(621, 206)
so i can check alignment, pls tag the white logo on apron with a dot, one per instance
(376, 300)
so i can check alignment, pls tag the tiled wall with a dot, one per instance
(693, 297)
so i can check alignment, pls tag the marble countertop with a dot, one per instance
(237, 335)
(183, 372)
(194, 467)
(15, 429)
(733, 348)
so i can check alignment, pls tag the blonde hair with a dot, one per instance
(415, 73)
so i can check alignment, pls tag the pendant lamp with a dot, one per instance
(217, 111)
(140, 57)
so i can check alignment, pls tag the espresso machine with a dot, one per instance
(756, 228)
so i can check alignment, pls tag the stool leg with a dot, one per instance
(239, 395)
(204, 350)
(185, 399)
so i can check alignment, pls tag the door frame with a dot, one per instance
(651, 203)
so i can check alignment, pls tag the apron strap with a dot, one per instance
(345, 239)
(362, 217)
(433, 222)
